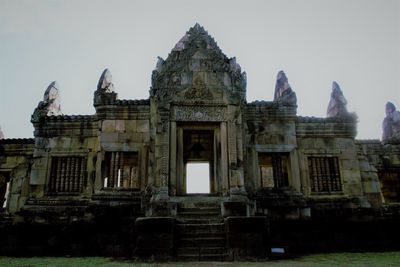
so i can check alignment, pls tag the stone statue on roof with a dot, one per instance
(337, 106)
(283, 92)
(50, 106)
(391, 124)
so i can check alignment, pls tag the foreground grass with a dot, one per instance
(316, 260)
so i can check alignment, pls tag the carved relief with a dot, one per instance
(175, 79)
(199, 90)
(190, 113)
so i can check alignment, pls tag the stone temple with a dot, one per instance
(116, 182)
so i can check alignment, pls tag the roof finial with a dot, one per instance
(283, 92)
(337, 106)
(391, 125)
(197, 26)
(105, 82)
(1, 134)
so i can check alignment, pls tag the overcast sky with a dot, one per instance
(356, 43)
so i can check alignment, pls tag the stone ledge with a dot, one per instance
(12, 141)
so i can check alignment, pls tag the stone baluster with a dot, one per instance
(82, 176)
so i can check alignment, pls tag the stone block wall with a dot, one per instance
(329, 138)
(68, 137)
(15, 165)
(380, 170)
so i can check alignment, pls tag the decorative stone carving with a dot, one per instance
(1, 134)
(337, 106)
(105, 94)
(182, 43)
(192, 113)
(283, 92)
(391, 124)
(159, 65)
(198, 91)
(105, 82)
(50, 106)
(234, 66)
(195, 52)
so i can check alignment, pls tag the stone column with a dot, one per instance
(181, 185)
(232, 155)
(240, 158)
(39, 172)
(294, 170)
(304, 173)
(224, 159)
(162, 145)
(172, 151)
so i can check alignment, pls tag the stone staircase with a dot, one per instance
(200, 232)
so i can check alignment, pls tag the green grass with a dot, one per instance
(315, 260)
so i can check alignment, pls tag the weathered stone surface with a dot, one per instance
(196, 58)
(247, 237)
(391, 125)
(283, 92)
(105, 82)
(50, 106)
(105, 95)
(338, 104)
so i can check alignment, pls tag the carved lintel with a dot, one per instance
(191, 113)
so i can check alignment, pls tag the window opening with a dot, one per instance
(121, 170)
(324, 174)
(273, 170)
(68, 174)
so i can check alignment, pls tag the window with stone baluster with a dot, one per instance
(67, 174)
(273, 169)
(121, 170)
(324, 174)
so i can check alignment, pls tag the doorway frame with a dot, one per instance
(177, 183)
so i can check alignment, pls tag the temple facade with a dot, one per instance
(264, 161)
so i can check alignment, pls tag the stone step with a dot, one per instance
(204, 257)
(201, 228)
(197, 221)
(209, 216)
(6, 220)
(201, 235)
(200, 208)
(209, 241)
(199, 213)
(201, 250)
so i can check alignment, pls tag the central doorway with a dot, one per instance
(196, 160)
(198, 178)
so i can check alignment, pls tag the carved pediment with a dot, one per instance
(199, 91)
(197, 70)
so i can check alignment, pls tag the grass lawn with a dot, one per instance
(327, 259)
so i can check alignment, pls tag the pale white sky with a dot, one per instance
(354, 42)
